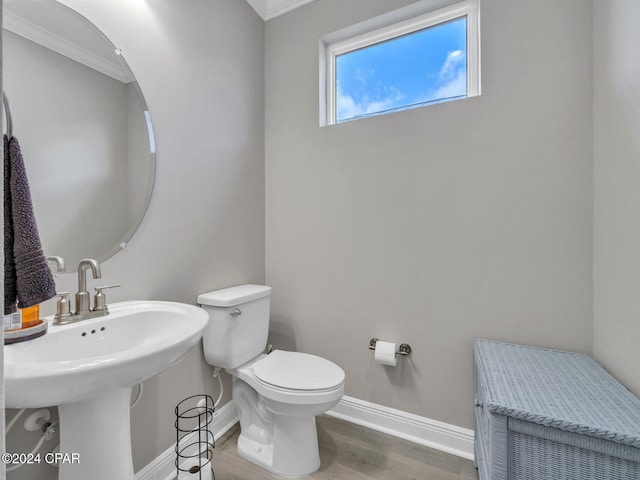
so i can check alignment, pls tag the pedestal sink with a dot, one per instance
(88, 368)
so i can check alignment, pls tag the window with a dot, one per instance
(391, 65)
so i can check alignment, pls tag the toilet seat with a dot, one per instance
(284, 368)
(298, 371)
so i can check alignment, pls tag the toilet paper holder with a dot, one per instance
(403, 348)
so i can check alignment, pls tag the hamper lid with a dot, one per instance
(559, 389)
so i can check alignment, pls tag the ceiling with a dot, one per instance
(269, 9)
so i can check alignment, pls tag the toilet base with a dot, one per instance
(293, 452)
(286, 445)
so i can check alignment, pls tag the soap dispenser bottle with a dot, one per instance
(30, 316)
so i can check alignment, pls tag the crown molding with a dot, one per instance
(50, 40)
(269, 9)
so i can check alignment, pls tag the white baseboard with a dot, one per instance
(163, 466)
(424, 431)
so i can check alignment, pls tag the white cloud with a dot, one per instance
(452, 78)
(455, 86)
(454, 61)
(363, 76)
(347, 107)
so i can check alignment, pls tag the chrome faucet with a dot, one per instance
(83, 304)
(82, 297)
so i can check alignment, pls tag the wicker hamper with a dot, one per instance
(551, 415)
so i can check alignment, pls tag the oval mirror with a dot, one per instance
(83, 127)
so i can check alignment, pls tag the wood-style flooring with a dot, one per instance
(352, 452)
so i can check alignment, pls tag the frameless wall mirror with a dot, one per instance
(83, 128)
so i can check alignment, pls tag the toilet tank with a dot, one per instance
(238, 324)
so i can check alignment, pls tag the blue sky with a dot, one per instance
(418, 68)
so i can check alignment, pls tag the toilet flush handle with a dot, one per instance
(235, 312)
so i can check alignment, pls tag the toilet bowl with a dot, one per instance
(277, 395)
(278, 405)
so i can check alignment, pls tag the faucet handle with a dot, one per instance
(99, 289)
(100, 299)
(63, 310)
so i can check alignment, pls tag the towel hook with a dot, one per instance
(8, 116)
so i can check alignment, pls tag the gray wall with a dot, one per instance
(617, 188)
(439, 224)
(200, 66)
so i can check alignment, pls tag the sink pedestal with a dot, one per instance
(95, 435)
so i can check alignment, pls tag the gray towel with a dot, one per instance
(10, 295)
(27, 276)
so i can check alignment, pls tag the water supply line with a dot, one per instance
(216, 374)
(14, 420)
(30, 454)
(37, 420)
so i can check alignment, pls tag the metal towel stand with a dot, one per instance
(8, 116)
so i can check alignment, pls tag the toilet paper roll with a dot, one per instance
(385, 353)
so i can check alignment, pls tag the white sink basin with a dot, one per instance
(87, 368)
(75, 362)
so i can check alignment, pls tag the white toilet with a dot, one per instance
(278, 395)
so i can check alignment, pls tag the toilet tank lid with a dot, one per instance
(232, 296)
